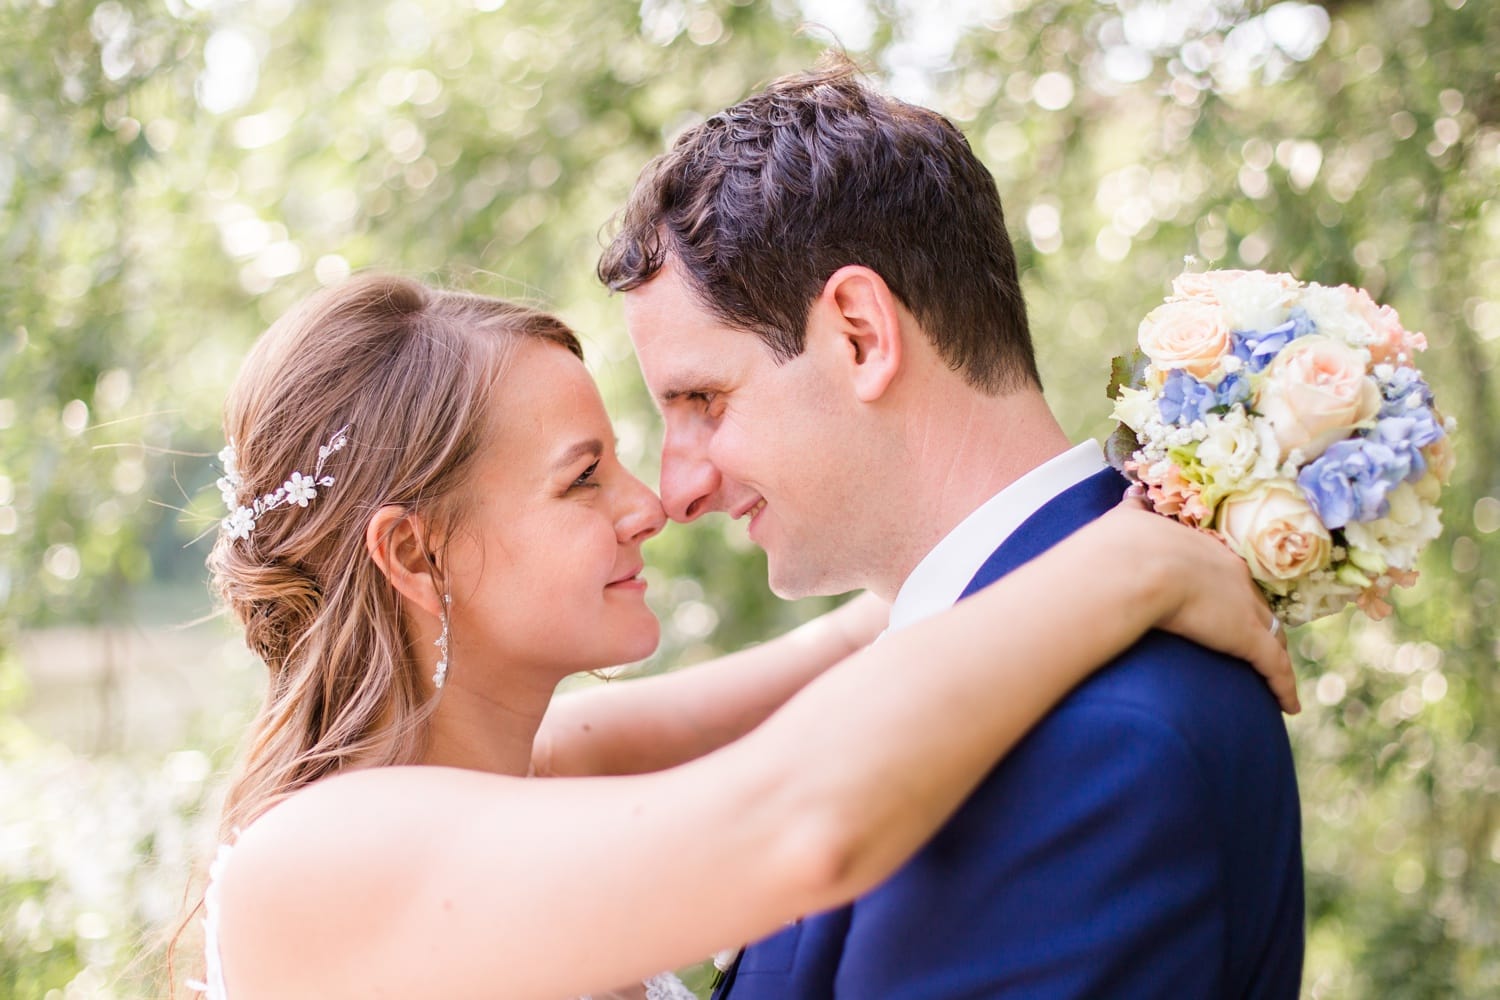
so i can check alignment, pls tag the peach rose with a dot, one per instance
(1274, 529)
(1187, 334)
(1315, 392)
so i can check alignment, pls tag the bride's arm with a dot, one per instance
(652, 723)
(438, 882)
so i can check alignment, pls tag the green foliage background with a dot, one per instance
(175, 173)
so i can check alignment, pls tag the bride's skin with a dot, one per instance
(470, 881)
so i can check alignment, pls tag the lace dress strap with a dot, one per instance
(663, 987)
(668, 987)
(212, 985)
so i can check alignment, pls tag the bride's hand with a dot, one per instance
(1209, 596)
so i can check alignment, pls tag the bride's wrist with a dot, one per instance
(1152, 576)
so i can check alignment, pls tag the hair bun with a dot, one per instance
(276, 601)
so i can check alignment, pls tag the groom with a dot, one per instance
(824, 304)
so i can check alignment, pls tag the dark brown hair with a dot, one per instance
(762, 202)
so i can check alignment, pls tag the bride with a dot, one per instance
(428, 530)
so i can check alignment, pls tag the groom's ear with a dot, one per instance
(864, 317)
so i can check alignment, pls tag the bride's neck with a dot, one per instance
(482, 731)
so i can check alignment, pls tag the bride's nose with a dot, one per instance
(640, 514)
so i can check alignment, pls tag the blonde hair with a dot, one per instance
(410, 371)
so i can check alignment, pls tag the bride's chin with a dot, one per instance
(641, 641)
(650, 638)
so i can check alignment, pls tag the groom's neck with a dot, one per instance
(960, 452)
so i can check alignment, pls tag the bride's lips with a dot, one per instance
(631, 580)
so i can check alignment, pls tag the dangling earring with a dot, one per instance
(441, 642)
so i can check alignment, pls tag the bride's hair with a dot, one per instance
(409, 371)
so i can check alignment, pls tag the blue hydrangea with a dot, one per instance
(1255, 349)
(1232, 390)
(1350, 481)
(1184, 400)
(1405, 436)
(1404, 392)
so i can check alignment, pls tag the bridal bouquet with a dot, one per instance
(1290, 419)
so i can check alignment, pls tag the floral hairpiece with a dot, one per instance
(298, 489)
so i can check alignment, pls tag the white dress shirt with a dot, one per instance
(940, 578)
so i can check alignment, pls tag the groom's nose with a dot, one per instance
(689, 481)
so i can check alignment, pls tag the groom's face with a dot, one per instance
(748, 436)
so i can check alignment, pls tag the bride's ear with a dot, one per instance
(866, 320)
(395, 540)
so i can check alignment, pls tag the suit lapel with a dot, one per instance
(1057, 519)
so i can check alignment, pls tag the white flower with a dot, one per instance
(240, 523)
(1231, 449)
(1253, 300)
(229, 491)
(1136, 408)
(229, 461)
(299, 489)
(1329, 310)
(1399, 537)
(1315, 597)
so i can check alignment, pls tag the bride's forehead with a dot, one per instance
(546, 392)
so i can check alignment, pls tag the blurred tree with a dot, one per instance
(178, 173)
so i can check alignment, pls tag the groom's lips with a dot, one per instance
(753, 510)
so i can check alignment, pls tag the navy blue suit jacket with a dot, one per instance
(1144, 840)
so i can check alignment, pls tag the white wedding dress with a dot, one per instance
(663, 987)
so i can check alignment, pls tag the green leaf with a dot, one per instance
(1127, 371)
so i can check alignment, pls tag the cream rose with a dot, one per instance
(1188, 334)
(1192, 285)
(1315, 392)
(1274, 530)
(1440, 459)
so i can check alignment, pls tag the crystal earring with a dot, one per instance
(441, 642)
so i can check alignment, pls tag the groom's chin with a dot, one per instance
(795, 583)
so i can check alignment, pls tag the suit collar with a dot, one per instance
(939, 579)
(1067, 512)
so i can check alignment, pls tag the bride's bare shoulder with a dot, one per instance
(339, 821)
(324, 871)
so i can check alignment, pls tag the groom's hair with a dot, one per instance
(762, 202)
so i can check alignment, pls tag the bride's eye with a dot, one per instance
(586, 478)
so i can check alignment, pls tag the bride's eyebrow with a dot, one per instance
(593, 447)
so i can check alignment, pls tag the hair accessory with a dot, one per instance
(298, 489)
(441, 642)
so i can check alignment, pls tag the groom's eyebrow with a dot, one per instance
(673, 391)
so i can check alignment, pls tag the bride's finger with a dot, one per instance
(1274, 662)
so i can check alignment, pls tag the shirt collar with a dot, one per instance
(940, 578)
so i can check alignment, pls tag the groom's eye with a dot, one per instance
(703, 399)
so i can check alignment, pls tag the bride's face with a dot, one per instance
(545, 568)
